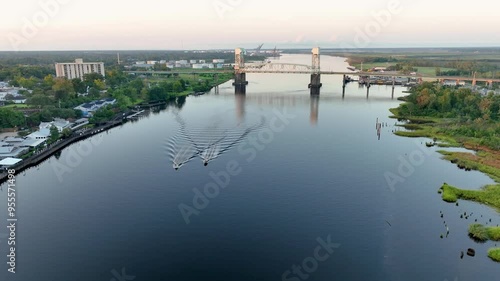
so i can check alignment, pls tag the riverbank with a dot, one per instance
(39, 157)
(470, 122)
(120, 118)
(485, 159)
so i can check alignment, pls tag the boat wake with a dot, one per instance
(206, 142)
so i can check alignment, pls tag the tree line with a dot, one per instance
(471, 114)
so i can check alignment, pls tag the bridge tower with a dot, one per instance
(315, 84)
(240, 77)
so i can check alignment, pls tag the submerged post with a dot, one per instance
(315, 84)
(368, 88)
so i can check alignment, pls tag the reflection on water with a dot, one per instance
(314, 109)
(208, 142)
(240, 106)
(308, 182)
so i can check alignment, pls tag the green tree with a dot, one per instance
(138, 84)
(115, 78)
(90, 78)
(99, 84)
(94, 93)
(54, 133)
(28, 83)
(66, 132)
(79, 86)
(102, 115)
(10, 118)
(48, 81)
(177, 87)
(63, 88)
(122, 101)
(40, 100)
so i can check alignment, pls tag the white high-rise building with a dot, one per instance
(78, 68)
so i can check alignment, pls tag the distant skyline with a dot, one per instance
(225, 24)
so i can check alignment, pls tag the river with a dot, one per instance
(290, 181)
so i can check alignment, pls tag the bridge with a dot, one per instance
(241, 68)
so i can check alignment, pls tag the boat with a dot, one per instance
(348, 79)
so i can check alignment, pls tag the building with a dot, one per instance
(19, 100)
(32, 143)
(41, 134)
(88, 108)
(450, 83)
(11, 151)
(78, 68)
(79, 123)
(203, 65)
(7, 162)
(60, 124)
(11, 141)
(144, 65)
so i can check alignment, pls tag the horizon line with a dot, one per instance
(228, 49)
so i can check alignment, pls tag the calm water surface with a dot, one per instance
(112, 202)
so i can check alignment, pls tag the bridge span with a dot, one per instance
(241, 68)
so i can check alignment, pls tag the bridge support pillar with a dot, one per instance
(240, 89)
(240, 83)
(240, 79)
(393, 86)
(490, 84)
(315, 84)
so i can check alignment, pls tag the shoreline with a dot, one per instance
(483, 159)
(37, 159)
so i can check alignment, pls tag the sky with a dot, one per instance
(226, 24)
